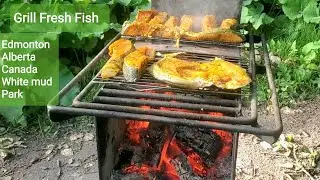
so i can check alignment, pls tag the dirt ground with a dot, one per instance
(71, 154)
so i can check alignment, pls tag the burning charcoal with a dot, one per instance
(183, 168)
(221, 170)
(138, 155)
(154, 139)
(204, 142)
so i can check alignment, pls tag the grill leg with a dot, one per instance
(234, 154)
(109, 133)
(101, 144)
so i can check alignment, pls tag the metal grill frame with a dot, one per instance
(58, 113)
(116, 102)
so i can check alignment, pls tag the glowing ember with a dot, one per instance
(144, 169)
(172, 148)
(135, 128)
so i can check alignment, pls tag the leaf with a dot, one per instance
(309, 57)
(293, 8)
(311, 13)
(246, 2)
(263, 19)
(311, 46)
(14, 115)
(245, 17)
(124, 2)
(312, 66)
(65, 77)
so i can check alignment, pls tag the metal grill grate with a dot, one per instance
(116, 98)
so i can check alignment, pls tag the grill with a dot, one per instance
(113, 101)
(119, 99)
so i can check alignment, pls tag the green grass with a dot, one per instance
(294, 78)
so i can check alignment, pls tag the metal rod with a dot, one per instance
(175, 97)
(82, 73)
(272, 86)
(151, 118)
(253, 87)
(167, 113)
(155, 103)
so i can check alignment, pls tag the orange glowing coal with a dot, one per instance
(172, 148)
(135, 128)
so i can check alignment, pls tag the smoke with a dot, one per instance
(222, 9)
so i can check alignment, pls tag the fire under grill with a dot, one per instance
(151, 130)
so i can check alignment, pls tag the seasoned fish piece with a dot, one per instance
(120, 48)
(218, 34)
(117, 50)
(172, 22)
(136, 62)
(227, 75)
(112, 67)
(229, 36)
(164, 32)
(180, 73)
(138, 29)
(161, 18)
(228, 23)
(186, 23)
(146, 15)
(200, 36)
(195, 75)
(208, 23)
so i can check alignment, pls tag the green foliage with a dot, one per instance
(76, 49)
(297, 76)
(254, 11)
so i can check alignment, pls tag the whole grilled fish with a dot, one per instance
(136, 62)
(196, 75)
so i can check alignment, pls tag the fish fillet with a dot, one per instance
(228, 23)
(208, 23)
(139, 29)
(186, 23)
(161, 18)
(117, 50)
(172, 22)
(136, 62)
(217, 34)
(145, 15)
(227, 75)
(196, 75)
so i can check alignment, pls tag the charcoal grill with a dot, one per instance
(115, 99)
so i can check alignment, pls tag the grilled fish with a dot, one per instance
(228, 23)
(146, 15)
(196, 75)
(172, 22)
(180, 73)
(138, 29)
(186, 23)
(161, 18)
(208, 23)
(136, 62)
(217, 34)
(227, 75)
(117, 50)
